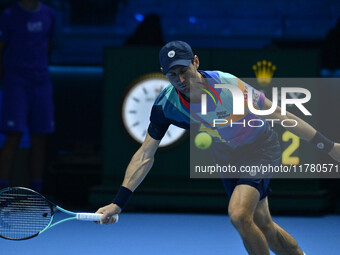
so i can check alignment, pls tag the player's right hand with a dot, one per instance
(108, 212)
(335, 152)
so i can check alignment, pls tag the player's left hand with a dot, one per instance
(335, 152)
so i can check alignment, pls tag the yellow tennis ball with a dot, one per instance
(203, 141)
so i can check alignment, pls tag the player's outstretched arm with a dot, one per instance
(138, 168)
(335, 152)
(141, 163)
(305, 131)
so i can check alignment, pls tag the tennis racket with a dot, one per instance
(24, 214)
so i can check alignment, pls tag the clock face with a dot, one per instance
(137, 106)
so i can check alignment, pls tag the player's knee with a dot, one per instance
(265, 224)
(240, 218)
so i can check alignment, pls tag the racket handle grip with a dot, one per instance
(92, 216)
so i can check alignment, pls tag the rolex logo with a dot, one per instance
(264, 71)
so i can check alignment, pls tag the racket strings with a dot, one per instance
(23, 213)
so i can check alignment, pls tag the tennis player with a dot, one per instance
(248, 206)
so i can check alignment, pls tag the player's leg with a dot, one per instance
(278, 239)
(37, 160)
(13, 121)
(242, 205)
(8, 153)
(40, 124)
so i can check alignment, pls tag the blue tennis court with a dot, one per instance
(154, 234)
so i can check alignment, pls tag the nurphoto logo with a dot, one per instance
(239, 98)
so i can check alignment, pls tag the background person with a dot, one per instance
(26, 30)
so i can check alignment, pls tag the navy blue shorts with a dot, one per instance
(27, 103)
(262, 185)
(265, 150)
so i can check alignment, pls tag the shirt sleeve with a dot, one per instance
(258, 96)
(159, 124)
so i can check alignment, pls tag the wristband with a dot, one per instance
(123, 196)
(322, 142)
